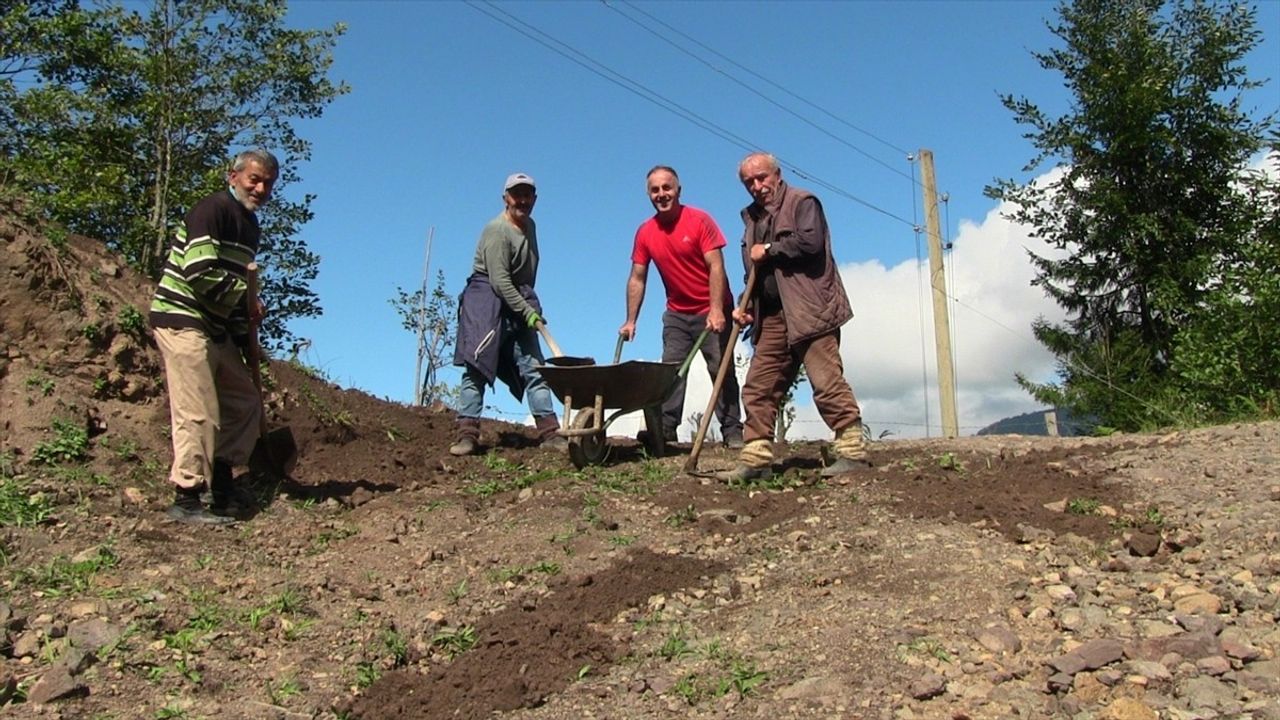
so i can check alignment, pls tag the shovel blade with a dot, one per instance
(277, 451)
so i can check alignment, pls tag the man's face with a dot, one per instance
(664, 192)
(759, 179)
(520, 201)
(253, 185)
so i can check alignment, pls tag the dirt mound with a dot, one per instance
(988, 577)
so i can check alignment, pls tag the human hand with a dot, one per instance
(257, 311)
(757, 252)
(715, 320)
(628, 331)
(534, 319)
(742, 317)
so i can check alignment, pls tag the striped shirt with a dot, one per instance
(203, 285)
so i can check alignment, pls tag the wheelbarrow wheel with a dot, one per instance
(590, 449)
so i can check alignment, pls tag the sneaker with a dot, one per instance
(464, 446)
(199, 516)
(745, 474)
(733, 440)
(555, 442)
(842, 466)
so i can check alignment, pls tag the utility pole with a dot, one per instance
(422, 321)
(938, 281)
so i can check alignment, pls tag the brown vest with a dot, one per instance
(812, 293)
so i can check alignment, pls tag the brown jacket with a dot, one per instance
(809, 284)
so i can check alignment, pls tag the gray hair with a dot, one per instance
(262, 156)
(663, 168)
(769, 159)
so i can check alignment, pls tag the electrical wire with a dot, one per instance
(596, 67)
(749, 88)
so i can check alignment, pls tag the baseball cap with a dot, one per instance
(518, 179)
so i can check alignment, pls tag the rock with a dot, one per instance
(929, 685)
(26, 645)
(1127, 709)
(359, 496)
(1089, 656)
(999, 639)
(1214, 665)
(55, 684)
(1201, 603)
(1207, 692)
(92, 635)
(1149, 669)
(1142, 544)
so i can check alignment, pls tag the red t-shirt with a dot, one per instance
(679, 252)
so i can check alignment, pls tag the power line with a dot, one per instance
(596, 67)
(750, 89)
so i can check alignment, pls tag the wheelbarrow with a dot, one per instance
(592, 390)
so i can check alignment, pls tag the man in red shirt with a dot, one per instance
(685, 243)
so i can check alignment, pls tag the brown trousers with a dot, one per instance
(214, 407)
(775, 366)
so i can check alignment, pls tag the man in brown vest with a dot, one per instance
(796, 310)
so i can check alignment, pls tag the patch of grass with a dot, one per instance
(169, 712)
(621, 540)
(676, 645)
(926, 646)
(279, 693)
(367, 673)
(69, 444)
(92, 332)
(517, 572)
(1083, 506)
(63, 576)
(43, 383)
(396, 646)
(743, 679)
(948, 461)
(131, 320)
(19, 507)
(455, 641)
(685, 516)
(287, 602)
(457, 592)
(324, 538)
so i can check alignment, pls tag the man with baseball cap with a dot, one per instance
(498, 316)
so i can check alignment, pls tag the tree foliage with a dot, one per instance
(119, 121)
(433, 319)
(1168, 235)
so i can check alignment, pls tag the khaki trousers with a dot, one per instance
(775, 366)
(214, 407)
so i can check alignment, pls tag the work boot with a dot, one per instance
(468, 437)
(548, 433)
(850, 451)
(226, 498)
(755, 463)
(187, 508)
(733, 439)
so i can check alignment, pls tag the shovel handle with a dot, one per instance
(725, 361)
(255, 350)
(617, 351)
(551, 342)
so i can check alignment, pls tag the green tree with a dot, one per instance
(1152, 207)
(433, 319)
(130, 118)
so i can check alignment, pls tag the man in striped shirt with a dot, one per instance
(201, 317)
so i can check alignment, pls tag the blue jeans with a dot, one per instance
(521, 349)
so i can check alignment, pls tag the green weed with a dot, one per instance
(455, 641)
(19, 507)
(1083, 506)
(367, 673)
(42, 383)
(948, 461)
(63, 576)
(70, 444)
(457, 592)
(131, 320)
(278, 694)
(684, 516)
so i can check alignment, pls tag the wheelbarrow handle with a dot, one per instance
(697, 345)
(617, 351)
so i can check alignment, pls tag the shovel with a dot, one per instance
(558, 358)
(276, 447)
(726, 361)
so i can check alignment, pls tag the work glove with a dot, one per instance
(534, 319)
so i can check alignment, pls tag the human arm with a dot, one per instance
(718, 285)
(636, 283)
(498, 255)
(806, 239)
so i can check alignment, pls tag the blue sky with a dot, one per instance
(446, 101)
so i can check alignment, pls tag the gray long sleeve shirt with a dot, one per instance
(509, 258)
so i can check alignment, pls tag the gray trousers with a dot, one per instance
(679, 332)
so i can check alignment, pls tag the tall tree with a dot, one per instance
(433, 319)
(132, 116)
(1151, 199)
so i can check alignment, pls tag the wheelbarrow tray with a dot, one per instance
(632, 385)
